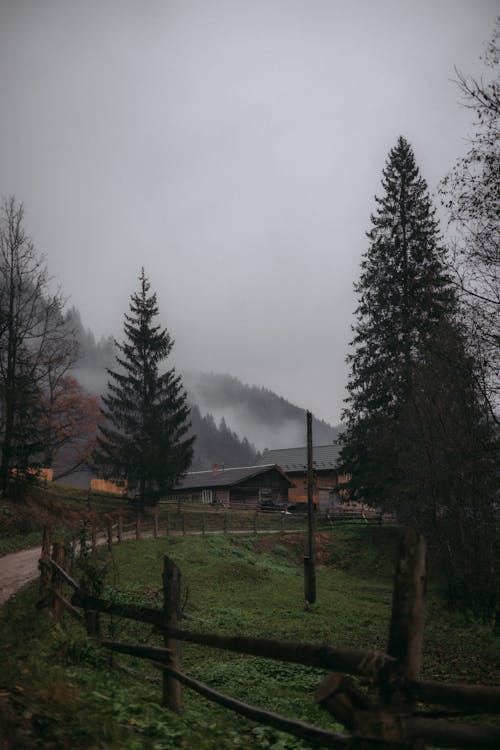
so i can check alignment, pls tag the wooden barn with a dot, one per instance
(239, 487)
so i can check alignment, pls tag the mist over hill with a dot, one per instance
(264, 418)
(233, 422)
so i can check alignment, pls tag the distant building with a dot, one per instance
(293, 461)
(238, 487)
(41, 474)
(109, 486)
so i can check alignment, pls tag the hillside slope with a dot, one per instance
(264, 418)
(233, 421)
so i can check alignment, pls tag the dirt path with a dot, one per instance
(16, 570)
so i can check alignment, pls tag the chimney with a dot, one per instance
(215, 469)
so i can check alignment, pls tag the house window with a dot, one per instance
(206, 497)
(265, 495)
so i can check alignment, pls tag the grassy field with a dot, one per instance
(249, 585)
(252, 585)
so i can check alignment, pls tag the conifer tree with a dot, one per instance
(404, 293)
(147, 417)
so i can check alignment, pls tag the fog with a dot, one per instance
(232, 148)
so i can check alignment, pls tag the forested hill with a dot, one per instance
(232, 421)
(266, 419)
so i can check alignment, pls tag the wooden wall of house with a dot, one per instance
(325, 482)
(210, 496)
(271, 485)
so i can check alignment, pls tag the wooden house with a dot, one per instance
(238, 487)
(293, 461)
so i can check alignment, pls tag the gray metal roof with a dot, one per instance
(325, 458)
(224, 477)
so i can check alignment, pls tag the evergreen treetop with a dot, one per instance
(404, 293)
(403, 290)
(144, 440)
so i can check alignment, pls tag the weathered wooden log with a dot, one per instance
(144, 652)
(308, 732)
(51, 564)
(402, 729)
(450, 734)
(67, 606)
(457, 695)
(128, 611)
(341, 698)
(353, 661)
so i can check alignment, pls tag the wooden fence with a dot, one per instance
(115, 526)
(392, 719)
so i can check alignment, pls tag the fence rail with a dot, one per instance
(213, 521)
(392, 720)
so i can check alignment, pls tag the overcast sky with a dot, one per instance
(233, 148)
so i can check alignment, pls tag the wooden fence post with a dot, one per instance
(155, 524)
(168, 524)
(183, 524)
(225, 523)
(93, 538)
(255, 522)
(203, 524)
(138, 526)
(119, 531)
(110, 534)
(44, 569)
(57, 582)
(172, 692)
(407, 619)
(90, 618)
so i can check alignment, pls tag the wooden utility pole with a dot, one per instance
(309, 559)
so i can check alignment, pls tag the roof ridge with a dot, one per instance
(222, 468)
(298, 447)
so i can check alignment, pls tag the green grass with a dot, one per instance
(230, 584)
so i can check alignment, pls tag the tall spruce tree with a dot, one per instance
(404, 294)
(147, 417)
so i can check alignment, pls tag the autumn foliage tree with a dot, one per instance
(71, 416)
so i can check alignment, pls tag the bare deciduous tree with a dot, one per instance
(471, 193)
(33, 341)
